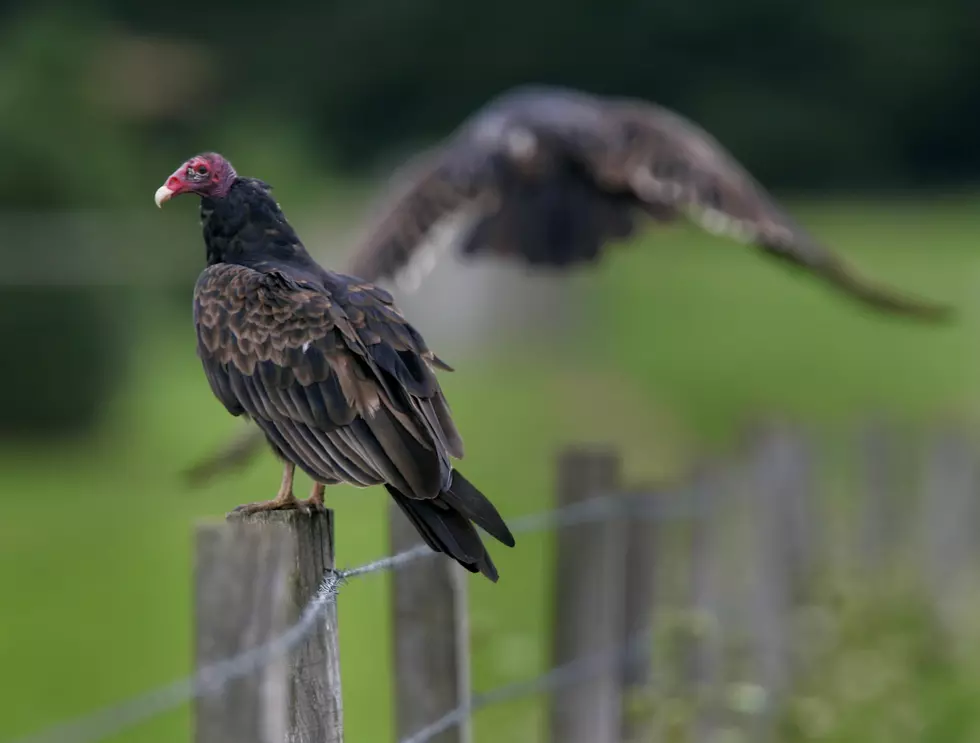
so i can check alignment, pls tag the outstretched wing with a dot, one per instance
(430, 205)
(667, 160)
(336, 379)
(551, 177)
(507, 182)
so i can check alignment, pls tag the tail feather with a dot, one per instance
(445, 524)
(473, 504)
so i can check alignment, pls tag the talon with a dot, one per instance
(284, 500)
(277, 504)
(314, 503)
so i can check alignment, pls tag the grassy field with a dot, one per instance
(686, 335)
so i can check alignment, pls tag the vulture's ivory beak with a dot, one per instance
(163, 194)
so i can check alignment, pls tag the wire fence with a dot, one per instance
(739, 558)
(212, 678)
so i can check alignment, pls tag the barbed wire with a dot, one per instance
(210, 679)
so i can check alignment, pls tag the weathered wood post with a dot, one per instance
(777, 500)
(948, 517)
(703, 645)
(589, 585)
(883, 494)
(430, 638)
(254, 576)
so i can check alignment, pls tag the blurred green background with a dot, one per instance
(860, 116)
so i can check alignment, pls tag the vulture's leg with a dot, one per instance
(283, 501)
(315, 501)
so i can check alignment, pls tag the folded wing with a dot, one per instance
(335, 378)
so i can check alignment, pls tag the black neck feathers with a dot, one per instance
(247, 227)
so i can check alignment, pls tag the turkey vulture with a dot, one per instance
(335, 378)
(550, 176)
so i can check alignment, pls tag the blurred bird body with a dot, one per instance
(337, 381)
(549, 177)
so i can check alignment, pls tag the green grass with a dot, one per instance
(685, 336)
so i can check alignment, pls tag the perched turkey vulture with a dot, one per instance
(326, 366)
(549, 177)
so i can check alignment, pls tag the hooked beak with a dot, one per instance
(168, 190)
(163, 194)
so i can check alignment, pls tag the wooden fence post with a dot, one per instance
(639, 595)
(781, 552)
(431, 638)
(884, 495)
(588, 603)
(703, 650)
(948, 516)
(254, 576)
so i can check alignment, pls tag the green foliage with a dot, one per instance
(60, 146)
(67, 354)
(59, 149)
(885, 671)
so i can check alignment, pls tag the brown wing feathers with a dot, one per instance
(342, 386)
(675, 163)
(439, 188)
(294, 362)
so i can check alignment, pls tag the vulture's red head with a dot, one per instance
(206, 175)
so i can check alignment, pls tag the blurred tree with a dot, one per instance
(61, 149)
(59, 146)
(63, 358)
(817, 93)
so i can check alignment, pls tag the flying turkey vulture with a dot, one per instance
(326, 366)
(550, 176)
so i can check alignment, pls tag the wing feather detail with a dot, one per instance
(334, 377)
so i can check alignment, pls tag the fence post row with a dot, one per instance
(754, 524)
(254, 576)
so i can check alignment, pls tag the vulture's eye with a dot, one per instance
(202, 169)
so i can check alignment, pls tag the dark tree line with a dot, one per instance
(811, 93)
